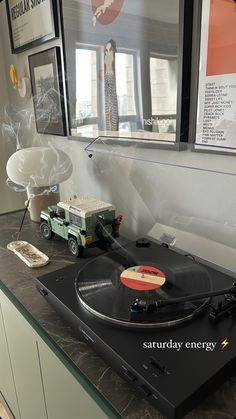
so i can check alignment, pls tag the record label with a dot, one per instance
(142, 278)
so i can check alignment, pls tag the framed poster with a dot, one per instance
(216, 107)
(128, 68)
(32, 22)
(48, 91)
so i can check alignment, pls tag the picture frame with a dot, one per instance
(48, 91)
(32, 23)
(142, 112)
(213, 89)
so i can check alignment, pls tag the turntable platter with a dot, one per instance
(108, 285)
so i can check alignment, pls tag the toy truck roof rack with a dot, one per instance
(85, 206)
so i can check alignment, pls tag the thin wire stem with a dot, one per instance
(23, 219)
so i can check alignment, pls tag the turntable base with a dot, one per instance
(174, 368)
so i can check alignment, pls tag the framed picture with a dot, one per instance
(48, 91)
(215, 117)
(32, 23)
(128, 65)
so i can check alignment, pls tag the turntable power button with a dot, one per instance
(43, 292)
(156, 364)
(130, 376)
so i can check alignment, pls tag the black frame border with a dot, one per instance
(186, 8)
(55, 130)
(55, 7)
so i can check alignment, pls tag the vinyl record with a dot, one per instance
(108, 286)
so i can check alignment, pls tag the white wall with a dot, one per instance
(23, 113)
(9, 200)
(201, 204)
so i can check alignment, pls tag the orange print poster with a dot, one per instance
(221, 54)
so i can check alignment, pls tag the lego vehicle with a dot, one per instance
(83, 221)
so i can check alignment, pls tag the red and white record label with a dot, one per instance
(142, 278)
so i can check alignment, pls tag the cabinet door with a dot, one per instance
(7, 387)
(24, 357)
(65, 396)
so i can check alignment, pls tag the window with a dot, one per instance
(125, 84)
(90, 107)
(75, 219)
(163, 78)
(60, 212)
(86, 84)
(127, 91)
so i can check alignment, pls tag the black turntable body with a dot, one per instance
(175, 354)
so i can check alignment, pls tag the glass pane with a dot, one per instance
(111, 82)
(125, 84)
(86, 84)
(163, 85)
(163, 77)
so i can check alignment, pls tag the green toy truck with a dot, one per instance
(83, 221)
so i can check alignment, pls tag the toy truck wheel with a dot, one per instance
(46, 230)
(74, 248)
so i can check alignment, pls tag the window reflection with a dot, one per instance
(163, 78)
(86, 83)
(163, 74)
(125, 83)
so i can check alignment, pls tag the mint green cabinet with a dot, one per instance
(7, 386)
(34, 381)
(65, 397)
(25, 363)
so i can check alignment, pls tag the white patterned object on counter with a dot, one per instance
(28, 253)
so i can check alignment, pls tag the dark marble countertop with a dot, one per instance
(20, 281)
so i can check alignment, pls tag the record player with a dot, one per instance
(162, 320)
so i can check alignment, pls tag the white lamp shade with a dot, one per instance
(39, 166)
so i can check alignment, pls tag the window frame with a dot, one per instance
(100, 97)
